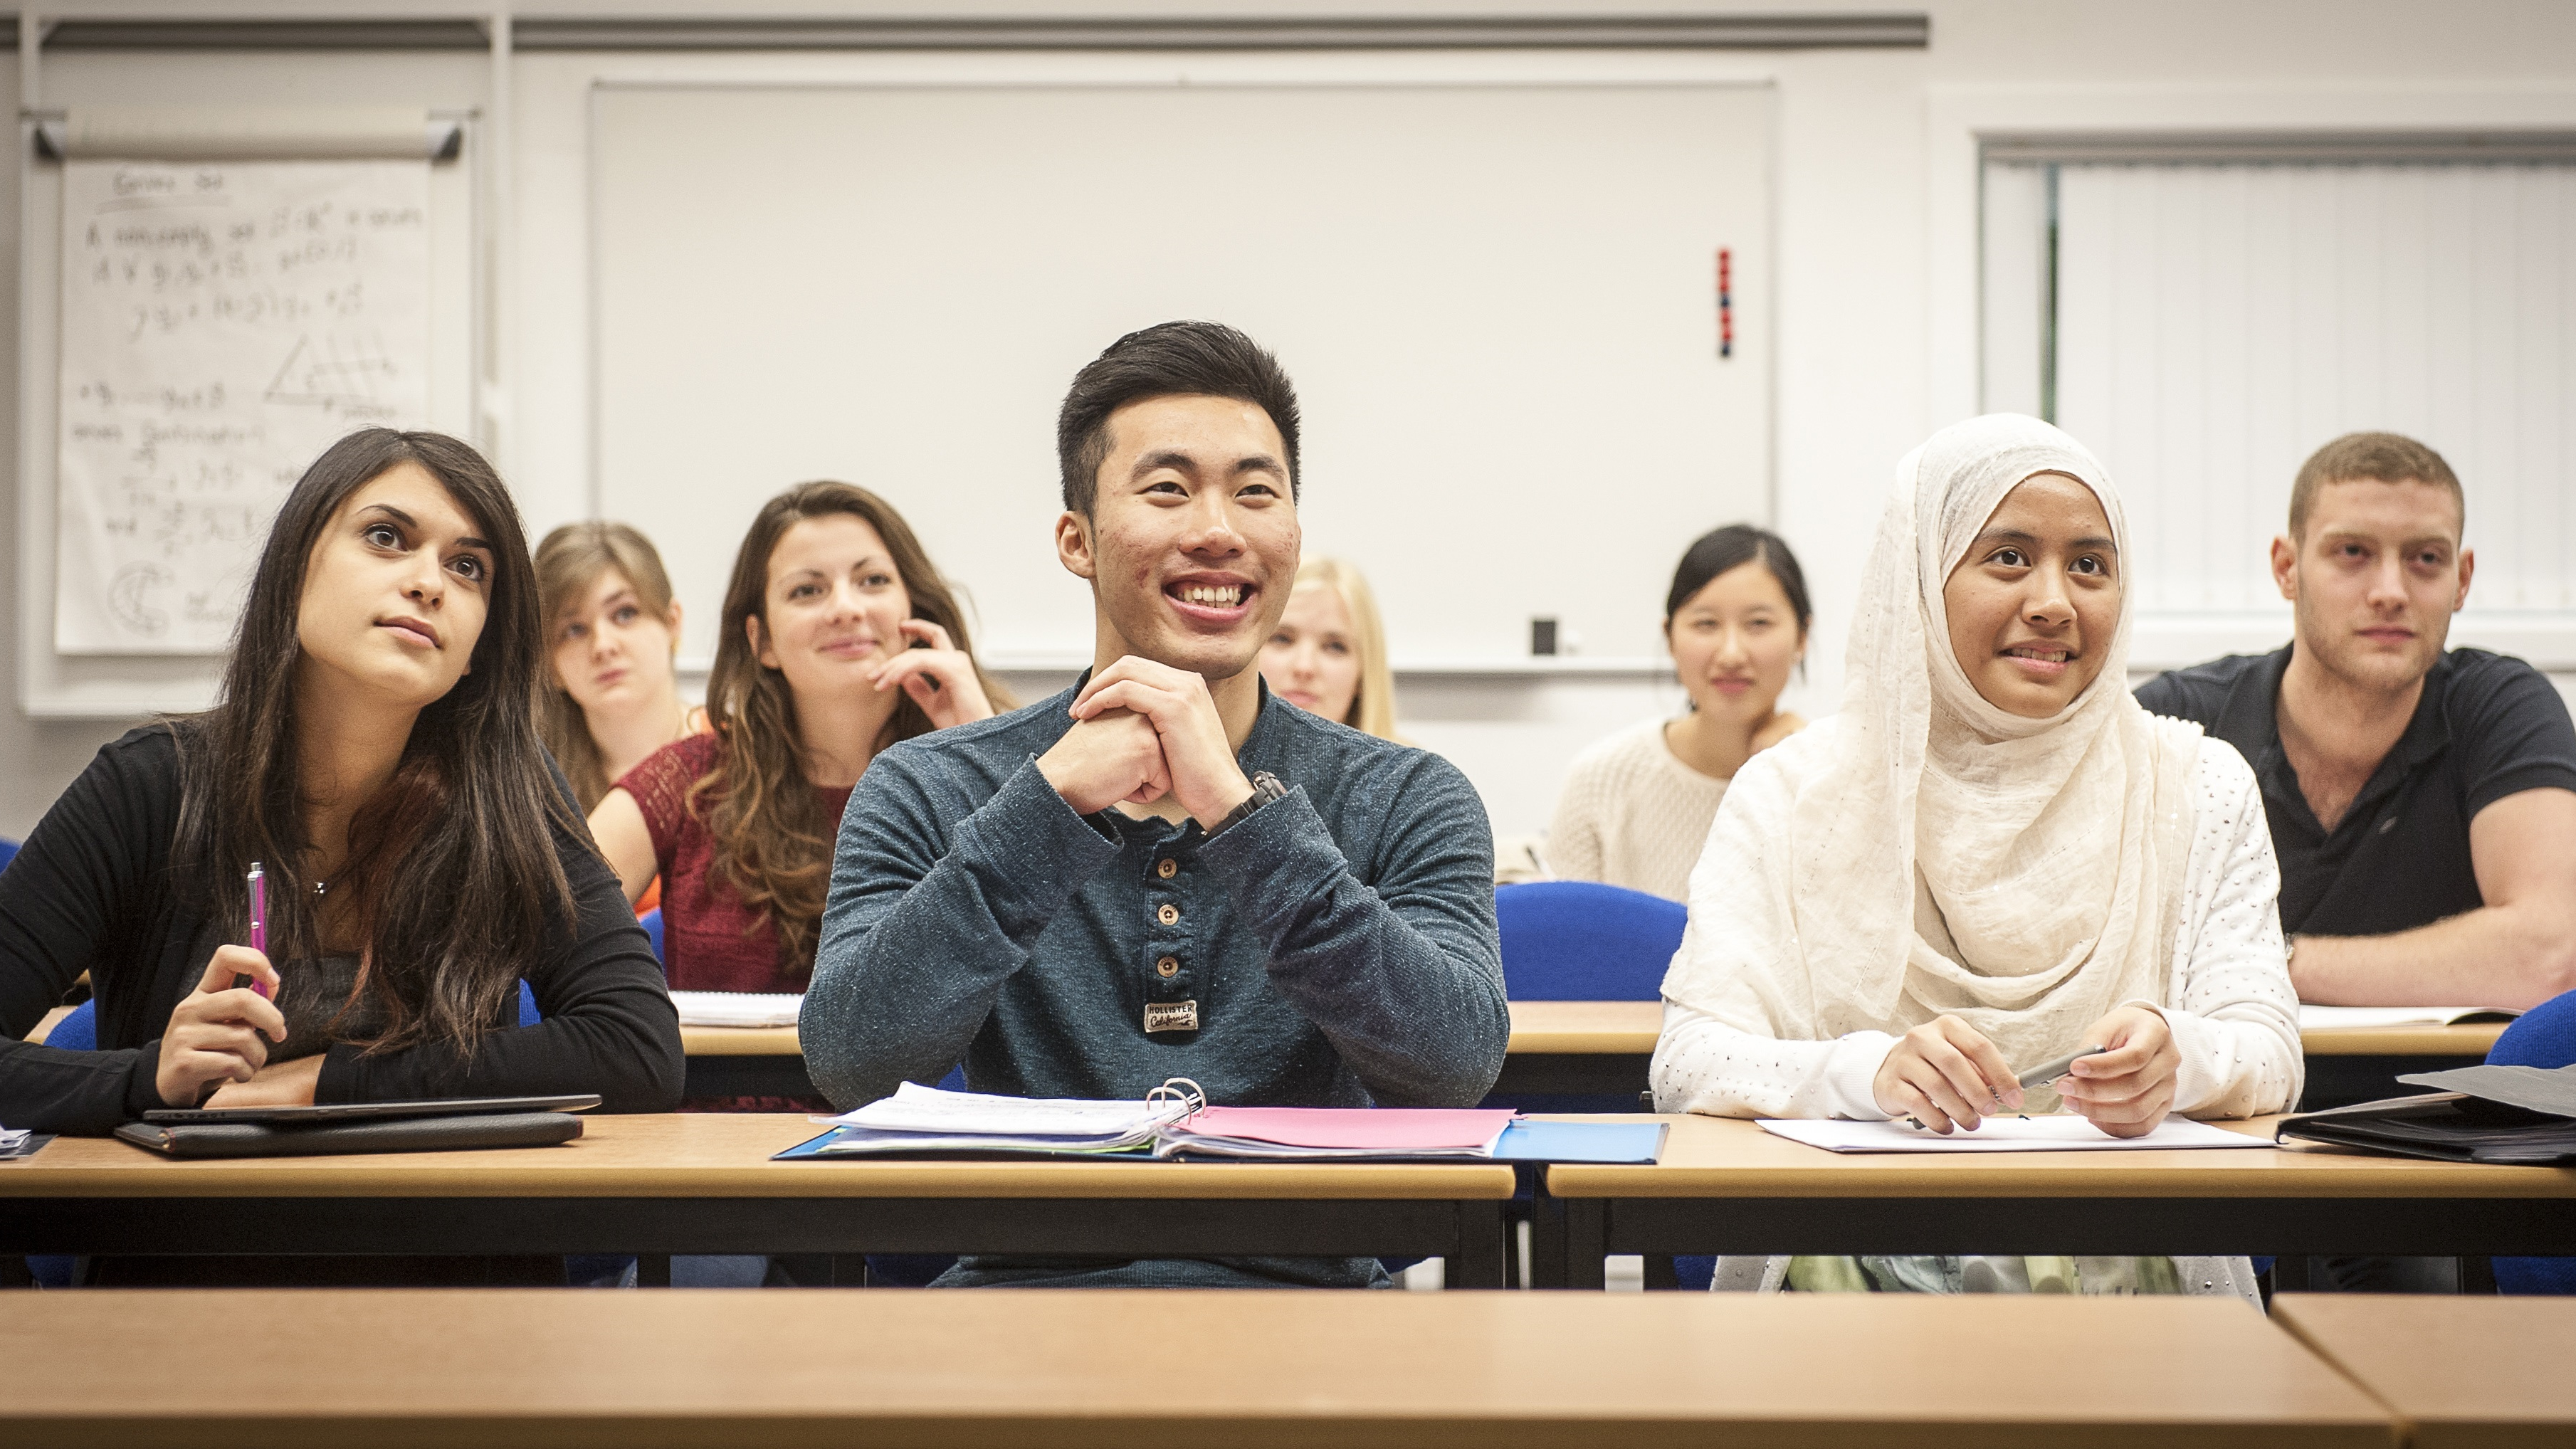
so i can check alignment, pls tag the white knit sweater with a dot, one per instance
(1631, 814)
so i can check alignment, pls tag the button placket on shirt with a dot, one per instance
(1165, 947)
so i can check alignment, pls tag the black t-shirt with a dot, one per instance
(2488, 726)
(91, 891)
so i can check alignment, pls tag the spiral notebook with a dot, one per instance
(1174, 1121)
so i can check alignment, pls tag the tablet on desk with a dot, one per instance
(359, 1111)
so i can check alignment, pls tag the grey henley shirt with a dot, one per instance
(1339, 943)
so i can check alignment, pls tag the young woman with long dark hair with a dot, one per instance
(838, 639)
(374, 749)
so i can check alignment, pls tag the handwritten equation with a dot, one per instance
(222, 324)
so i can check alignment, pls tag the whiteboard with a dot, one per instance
(223, 322)
(1498, 303)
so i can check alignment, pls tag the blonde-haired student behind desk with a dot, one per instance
(612, 693)
(1635, 807)
(374, 750)
(1328, 655)
(1990, 858)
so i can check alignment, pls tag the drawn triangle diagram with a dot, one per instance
(321, 377)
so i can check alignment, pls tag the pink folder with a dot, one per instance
(1376, 1129)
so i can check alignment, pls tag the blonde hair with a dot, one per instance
(1373, 706)
(569, 564)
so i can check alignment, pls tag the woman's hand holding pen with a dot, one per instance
(1945, 1073)
(2128, 1088)
(220, 1032)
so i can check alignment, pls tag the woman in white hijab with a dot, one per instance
(1991, 857)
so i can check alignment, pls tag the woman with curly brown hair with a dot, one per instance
(838, 638)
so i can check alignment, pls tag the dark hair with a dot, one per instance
(1202, 359)
(2382, 457)
(771, 840)
(1731, 547)
(465, 827)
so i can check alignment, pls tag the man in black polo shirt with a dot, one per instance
(2423, 803)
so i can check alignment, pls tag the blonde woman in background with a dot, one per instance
(612, 692)
(1328, 656)
(1636, 807)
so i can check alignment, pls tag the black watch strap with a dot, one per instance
(1265, 788)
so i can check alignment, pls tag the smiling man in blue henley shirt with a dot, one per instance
(1166, 871)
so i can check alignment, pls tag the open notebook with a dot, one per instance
(1175, 1121)
(737, 1008)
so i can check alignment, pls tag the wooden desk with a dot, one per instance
(1727, 1186)
(700, 1183)
(1588, 1047)
(1602, 1048)
(745, 1061)
(2461, 1373)
(1245, 1369)
(2362, 1063)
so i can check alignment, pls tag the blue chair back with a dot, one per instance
(1576, 940)
(2545, 1037)
(651, 921)
(77, 1032)
(8, 851)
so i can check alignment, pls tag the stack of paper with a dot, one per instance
(2059, 1132)
(925, 1119)
(737, 1008)
(12, 1141)
(1312, 1133)
(2315, 1018)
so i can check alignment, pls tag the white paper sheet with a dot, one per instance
(737, 1008)
(2319, 1018)
(916, 1108)
(2058, 1132)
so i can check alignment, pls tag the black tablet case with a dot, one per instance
(2497, 1114)
(416, 1134)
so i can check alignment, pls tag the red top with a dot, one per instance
(711, 941)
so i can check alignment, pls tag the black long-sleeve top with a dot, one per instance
(91, 891)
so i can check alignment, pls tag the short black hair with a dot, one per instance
(1171, 359)
(1734, 546)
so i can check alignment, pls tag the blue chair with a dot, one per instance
(2544, 1036)
(8, 851)
(1573, 940)
(651, 921)
(77, 1032)
(1577, 940)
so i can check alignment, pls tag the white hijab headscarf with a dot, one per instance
(1924, 852)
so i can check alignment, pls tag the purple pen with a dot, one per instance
(258, 918)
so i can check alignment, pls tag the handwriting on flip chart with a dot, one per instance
(222, 324)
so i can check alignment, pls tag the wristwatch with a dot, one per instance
(1265, 788)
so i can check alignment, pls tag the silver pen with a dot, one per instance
(2041, 1076)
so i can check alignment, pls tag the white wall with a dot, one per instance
(1876, 292)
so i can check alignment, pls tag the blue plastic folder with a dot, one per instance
(1523, 1141)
